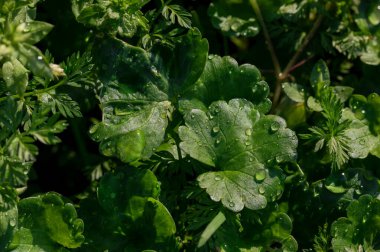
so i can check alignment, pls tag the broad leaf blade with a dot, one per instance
(243, 145)
(50, 221)
(224, 79)
(139, 90)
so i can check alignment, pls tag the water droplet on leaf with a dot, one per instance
(215, 129)
(231, 204)
(248, 132)
(218, 178)
(260, 175)
(261, 190)
(275, 126)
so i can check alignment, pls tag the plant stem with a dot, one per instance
(292, 62)
(303, 46)
(268, 41)
(36, 92)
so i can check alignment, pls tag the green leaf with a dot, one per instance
(360, 139)
(8, 215)
(368, 108)
(348, 185)
(224, 79)
(218, 220)
(44, 128)
(233, 18)
(116, 189)
(140, 89)
(173, 12)
(264, 230)
(238, 140)
(15, 76)
(359, 231)
(123, 18)
(128, 202)
(34, 60)
(320, 77)
(22, 147)
(343, 92)
(35, 31)
(294, 91)
(153, 227)
(13, 171)
(46, 223)
(61, 103)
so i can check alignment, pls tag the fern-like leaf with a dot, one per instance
(176, 12)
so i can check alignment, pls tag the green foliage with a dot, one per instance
(157, 140)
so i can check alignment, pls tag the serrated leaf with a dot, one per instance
(47, 222)
(22, 147)
(13, 171)
(233, 19)
(8, 215)
(11, 116)
(238, 140)
(61, 103)
(44, 128)
(360, 230)
(123, 18)
(224, 79)
(139, 89)
(177, 12)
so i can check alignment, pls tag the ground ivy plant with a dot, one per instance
(224, 125)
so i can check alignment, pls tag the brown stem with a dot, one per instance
(292, 62)
(303, 46)
(268, 41)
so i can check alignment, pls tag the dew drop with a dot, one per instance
(248, 132)
(260, 175)
(39, 57)
(230, 72)
(217, 141)
(215, 129)
(275, 126)
(261, 190)
(12, 222)
(218, 178)
(231, 204)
